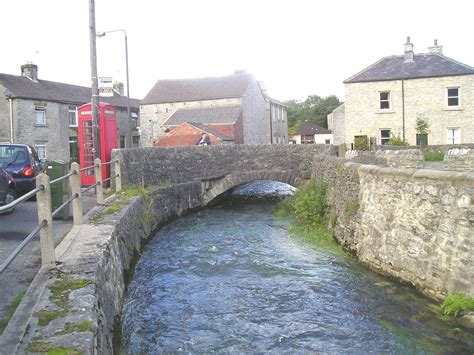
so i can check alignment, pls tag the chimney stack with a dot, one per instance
(30, 71)
(118, 88)
(408, 51)
(435, 48)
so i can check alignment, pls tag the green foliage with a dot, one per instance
(361, 143)
(421, 124)
(83, 326)
(397, 141)
(435, 155)
(131, 191)
(11, 310)
(45, 316)
(310, 205)
(457, 303)
(44, 348)
(314, 109)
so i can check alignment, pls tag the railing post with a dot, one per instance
(118, 173)
(75, 184)
(98, 180)
(43, 198)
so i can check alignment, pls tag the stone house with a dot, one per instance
(386, 99)
(310, 133)
(43, 114)
(277, 114)
(234, 101)
(336, 124)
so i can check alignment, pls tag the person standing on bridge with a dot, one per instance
(204, 140)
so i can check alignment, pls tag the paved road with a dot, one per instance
(13, 230)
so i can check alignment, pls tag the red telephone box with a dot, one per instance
(108, 139)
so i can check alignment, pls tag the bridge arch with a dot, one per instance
(215, 187)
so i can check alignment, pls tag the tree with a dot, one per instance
(314, 109)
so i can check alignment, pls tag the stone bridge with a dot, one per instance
(220, 168)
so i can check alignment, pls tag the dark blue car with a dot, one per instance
(7, 189)
(22, 163)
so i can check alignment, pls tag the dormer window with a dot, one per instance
(453, 97)
(385, 100)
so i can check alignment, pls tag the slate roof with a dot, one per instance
(25, 88)
(311, 128)
(185, 90)
(423, 66)
(206, 115)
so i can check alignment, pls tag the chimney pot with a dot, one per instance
(436, 48)
(30, 70)
(408, 51)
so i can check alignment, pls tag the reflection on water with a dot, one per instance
(232, 279)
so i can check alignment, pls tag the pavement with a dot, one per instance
(14, 228)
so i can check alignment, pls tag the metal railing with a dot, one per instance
(44, 206)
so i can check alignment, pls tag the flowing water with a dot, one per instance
(233, 279)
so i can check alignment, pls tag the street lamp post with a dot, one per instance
(128, 141)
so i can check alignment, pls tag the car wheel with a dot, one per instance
(11, 196)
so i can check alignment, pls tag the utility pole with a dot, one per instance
(94, 81)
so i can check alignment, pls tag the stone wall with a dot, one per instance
(151, 166)
(101, 256)
(400, 158)
(459, 159)
(415, 225)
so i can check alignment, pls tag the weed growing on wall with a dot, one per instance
(435, 155)
(310, 209)
(456, 304)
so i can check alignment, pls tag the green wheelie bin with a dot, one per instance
(59, 190)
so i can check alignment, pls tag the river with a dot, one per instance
(233, 279)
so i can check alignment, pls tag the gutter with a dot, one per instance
(403, 109)
(11, 120)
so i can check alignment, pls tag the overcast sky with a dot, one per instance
(297, 47)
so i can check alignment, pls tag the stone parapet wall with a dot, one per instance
(151, 166)
(400, 158)
(102, 256)
(415, 225)
(459, 159)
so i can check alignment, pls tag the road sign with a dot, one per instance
(106, 87)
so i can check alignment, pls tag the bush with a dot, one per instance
(309, 204)
(397, 141)
(436, 155)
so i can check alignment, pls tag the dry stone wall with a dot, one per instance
(416, 225)
(459, 159)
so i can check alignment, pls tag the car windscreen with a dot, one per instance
(12, 155)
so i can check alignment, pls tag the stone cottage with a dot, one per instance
(386, 99)
(234, 103)
(43, 114)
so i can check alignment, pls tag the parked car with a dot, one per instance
(22, 163)
(7, 190)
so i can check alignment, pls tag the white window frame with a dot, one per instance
(72, 110)
(40, 148)
(388, 100)
(39, 110)
(385, 139)
(451, 136)
(458, 96)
